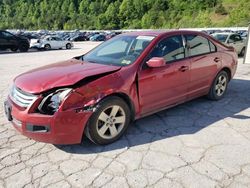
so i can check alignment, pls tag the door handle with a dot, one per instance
(183, 68)
(217, 59)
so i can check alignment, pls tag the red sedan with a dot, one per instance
(125, 78)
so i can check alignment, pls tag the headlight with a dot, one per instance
(51, 103)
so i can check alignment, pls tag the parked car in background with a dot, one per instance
(13, 42)
(125, 78)
(244, 35)
(98, 37)
(110, 35)
(79, 38)
(232, 39)
(51, 42)
(29, 35)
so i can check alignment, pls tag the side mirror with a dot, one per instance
(156, 62)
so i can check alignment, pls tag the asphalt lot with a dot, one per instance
(198, 144)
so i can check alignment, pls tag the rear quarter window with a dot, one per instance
(197, 45)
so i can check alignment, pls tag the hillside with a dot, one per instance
(122, 14)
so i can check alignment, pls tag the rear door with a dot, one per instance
(60, 43)
(205, 61)
(164, 86)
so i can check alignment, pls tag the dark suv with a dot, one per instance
(12, 42)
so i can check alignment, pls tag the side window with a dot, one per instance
(235, 38)
(170, 49)
(197, 45)
(7, 35)
(57, 39)
(212, 47)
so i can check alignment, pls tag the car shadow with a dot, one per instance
(185, 119)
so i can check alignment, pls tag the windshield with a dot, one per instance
(221, 37)
(119, 51)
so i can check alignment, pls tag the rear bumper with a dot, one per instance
(65, 127)
(36, 45)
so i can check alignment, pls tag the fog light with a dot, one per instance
(38, 128)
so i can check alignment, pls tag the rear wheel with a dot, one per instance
(109, 121)
(47, 47)
(24, 47)
(219, 86)
(68, 46)
(242, 52)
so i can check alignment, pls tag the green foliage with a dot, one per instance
(220, 9)
(121, 14)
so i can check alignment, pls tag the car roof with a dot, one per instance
(224, 33)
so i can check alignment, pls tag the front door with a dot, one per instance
(164, 86)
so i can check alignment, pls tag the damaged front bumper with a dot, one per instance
(64, 127)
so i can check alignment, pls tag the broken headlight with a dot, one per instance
(51, 103)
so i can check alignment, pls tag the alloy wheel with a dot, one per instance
(111, 122)
(221, 85)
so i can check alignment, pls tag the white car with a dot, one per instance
(51, 42)
(232, 39)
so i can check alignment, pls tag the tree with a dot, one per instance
(118, 14)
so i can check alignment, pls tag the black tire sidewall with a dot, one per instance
(91, 125)
(48, 47)
(242, 53)
(23, 47)
(213, 95)
(14, 49)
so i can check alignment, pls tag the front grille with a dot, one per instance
(22, 98)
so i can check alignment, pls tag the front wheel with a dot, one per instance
(219, 86)
(14, 49)
(110, 120)
(68, 46)
(47, 47)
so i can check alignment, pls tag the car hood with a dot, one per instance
(61, 74)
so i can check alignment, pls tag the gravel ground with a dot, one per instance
(198, 144)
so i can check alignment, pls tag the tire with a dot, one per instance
(23, 47)
(242, 52)
(109, 121)
(47, 47)
(14, 49)
(219, 86)
(68, 46)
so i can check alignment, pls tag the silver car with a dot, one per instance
(232, 39)
(51, 42)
